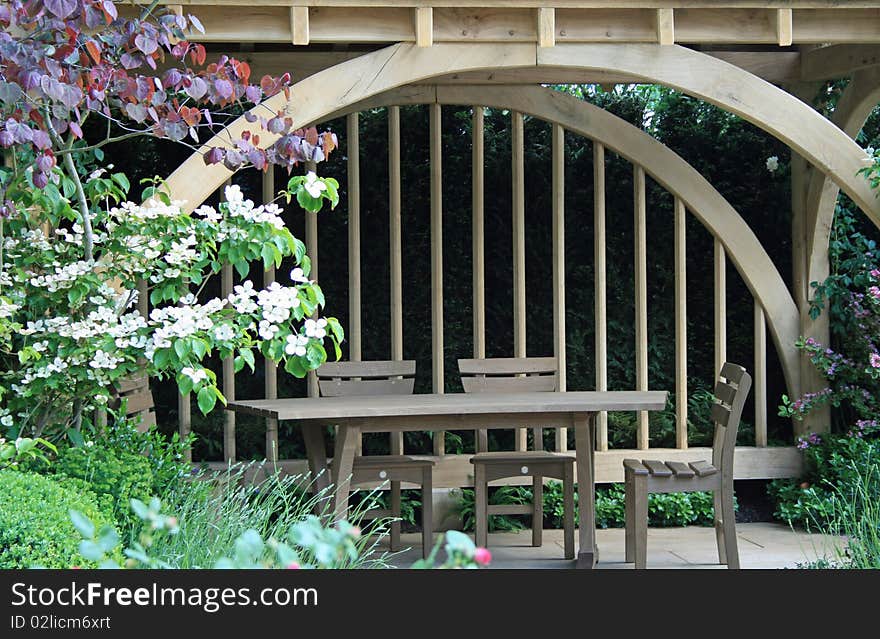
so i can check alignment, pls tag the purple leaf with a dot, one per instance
(214, 156)
(223, 88)
(137, 112)
(276, 125)
(233, 159)
(146, 43)
(197, 88)
(60, 8)
(10, 92)
(110, 8)
(21, 133)
(130, 61)
(176, 130)
(41, 180)
(172, 78)
(194, 21)
(45, 163)
(6, 139)
(250, 117)
(41, 139)
(257, 158)
(74, 128)
(252, 93)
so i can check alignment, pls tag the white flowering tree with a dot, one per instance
(71, 329)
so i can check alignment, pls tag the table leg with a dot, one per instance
(343, 462)
(583, 434)
(316, 453)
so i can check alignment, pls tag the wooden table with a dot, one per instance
(458, 411)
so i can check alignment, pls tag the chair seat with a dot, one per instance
(383, 461)
(670, 469)
(530, 456)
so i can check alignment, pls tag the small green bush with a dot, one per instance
(120, 475)
(35, 526)
(664, 510)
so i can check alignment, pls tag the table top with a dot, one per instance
(328, 408)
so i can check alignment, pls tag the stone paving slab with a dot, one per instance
(761, 546)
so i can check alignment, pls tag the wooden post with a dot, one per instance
(299, 25)
(720, 263)
(479, 251)
(601, 288)
(270, 386)
(641, 291)
(312, 251)
(437, 369)
(681, 385)
(558, 229)
(665, 26)
(519, 250)
(354, 247)
(784, 27)
(228, 377)
(760, 385)
(424, 26)
(546, 27)
(395, 250)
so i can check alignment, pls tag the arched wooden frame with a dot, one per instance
(661, 163)
(814, 137)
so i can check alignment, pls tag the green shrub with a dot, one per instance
(833, 464)
(119, 475)
(35, 526)
(664, 510)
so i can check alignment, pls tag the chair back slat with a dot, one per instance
(731, 392)
(508, 366)
(537, 383)
(368, 370)
(364, 387)
(509, 375)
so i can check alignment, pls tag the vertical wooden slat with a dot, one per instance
(558, 230)
(352, 135)
(666, 26)
(519, 250)
(760, 386)
(395, 249)
(681, 385)
(720, 268)
(436, 157)
(600, 294)
(546, 27)
(299, 25)
(784, 27)
(228, 377)
(641, 291)
(312, 251)
(270, 368)
(424, 26)
(479, 250)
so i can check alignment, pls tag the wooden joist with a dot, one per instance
(424, 26)
(299, 25)
(665, 26)
(546, 27)
(784, 27)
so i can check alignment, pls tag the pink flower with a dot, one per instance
(875, 273)
(482, 556)
(875, 292)
(875, 360)
(293, 565)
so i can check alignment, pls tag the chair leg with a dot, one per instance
(568, 510)
(481, 506)
(537, 510)
(640, 521)
(728, 518)
(719, 526)
(395, 512)
(629, 517)
(427, 511)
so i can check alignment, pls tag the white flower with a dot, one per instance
(233, 194)
(266, 330)
(298, 275)
(772, 163)
(314, 186)
(296, 345)
(316, 328)
(195, 374)
(223, 333)
(6, 420)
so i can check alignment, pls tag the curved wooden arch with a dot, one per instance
(853, 109)
(725, 85)
(663, 164)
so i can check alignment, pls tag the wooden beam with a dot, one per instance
(299, 25)
(479, 247)
(395, 250)
(601, 289)
(558, 232)
(720, 279)
(518, 198)
(784, 28)
(424, 26)
(354, 238)
(665, 26)
(546, 27)
(681, 369)
(437, 367)
(760, 384)
(641, 294)
(270, 369)
(838, 60)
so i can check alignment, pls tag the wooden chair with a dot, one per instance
(651, 476)
(517, 375)
(336, 379)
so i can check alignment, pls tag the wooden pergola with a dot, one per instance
(761, 60)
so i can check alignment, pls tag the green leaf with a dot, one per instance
(199, 347)
(248, 356)
(82, 524)
(90, 550)
(206, 399)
